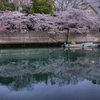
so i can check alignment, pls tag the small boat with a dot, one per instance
(80, 45)
(74, 49)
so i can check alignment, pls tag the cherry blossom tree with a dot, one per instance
(77, 21)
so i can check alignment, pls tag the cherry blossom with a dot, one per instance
(75, 20)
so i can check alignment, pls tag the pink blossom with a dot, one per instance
(74, 19)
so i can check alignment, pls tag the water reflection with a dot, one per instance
(24, 68)
(52, 64)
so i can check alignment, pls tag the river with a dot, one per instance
(49, 74)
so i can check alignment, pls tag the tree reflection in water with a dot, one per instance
(23, 68)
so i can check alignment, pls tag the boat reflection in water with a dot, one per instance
(49, 73)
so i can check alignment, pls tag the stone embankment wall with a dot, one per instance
(44, 37)
(93, 37)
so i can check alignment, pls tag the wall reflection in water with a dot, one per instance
(22, 68)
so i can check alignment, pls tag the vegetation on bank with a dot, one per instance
(42, 6)
(5, 5)
(38, 6)
(62, 19)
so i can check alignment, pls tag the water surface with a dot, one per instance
(49, 74)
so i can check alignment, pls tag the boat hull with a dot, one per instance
(81, 45)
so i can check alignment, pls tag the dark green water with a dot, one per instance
(49, 74)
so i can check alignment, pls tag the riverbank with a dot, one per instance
(36, 29)
(46, 39)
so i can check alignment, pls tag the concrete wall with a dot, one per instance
(44, 37)
(93, 37)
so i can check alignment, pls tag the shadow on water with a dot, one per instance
(20, 68)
